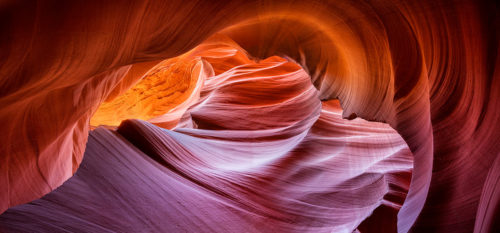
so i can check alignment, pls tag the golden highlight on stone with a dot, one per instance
(161, 89)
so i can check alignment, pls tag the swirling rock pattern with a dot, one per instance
(430, 69)
(238, 158)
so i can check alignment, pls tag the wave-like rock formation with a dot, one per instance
(257, 147)
(259, 141)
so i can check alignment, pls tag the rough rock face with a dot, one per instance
(430, 69)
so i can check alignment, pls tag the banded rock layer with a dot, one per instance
(257, 152)
(430, 69)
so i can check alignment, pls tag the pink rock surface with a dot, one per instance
(239, 161)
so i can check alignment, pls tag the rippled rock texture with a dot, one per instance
(243, 111)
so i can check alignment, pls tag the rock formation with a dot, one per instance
(243, 111)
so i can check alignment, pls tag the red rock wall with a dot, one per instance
(428, 68)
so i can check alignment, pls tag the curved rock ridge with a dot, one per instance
(430, 69)
(257, 147)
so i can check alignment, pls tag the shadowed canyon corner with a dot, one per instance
(250, 116)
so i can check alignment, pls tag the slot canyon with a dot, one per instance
(250, 116)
